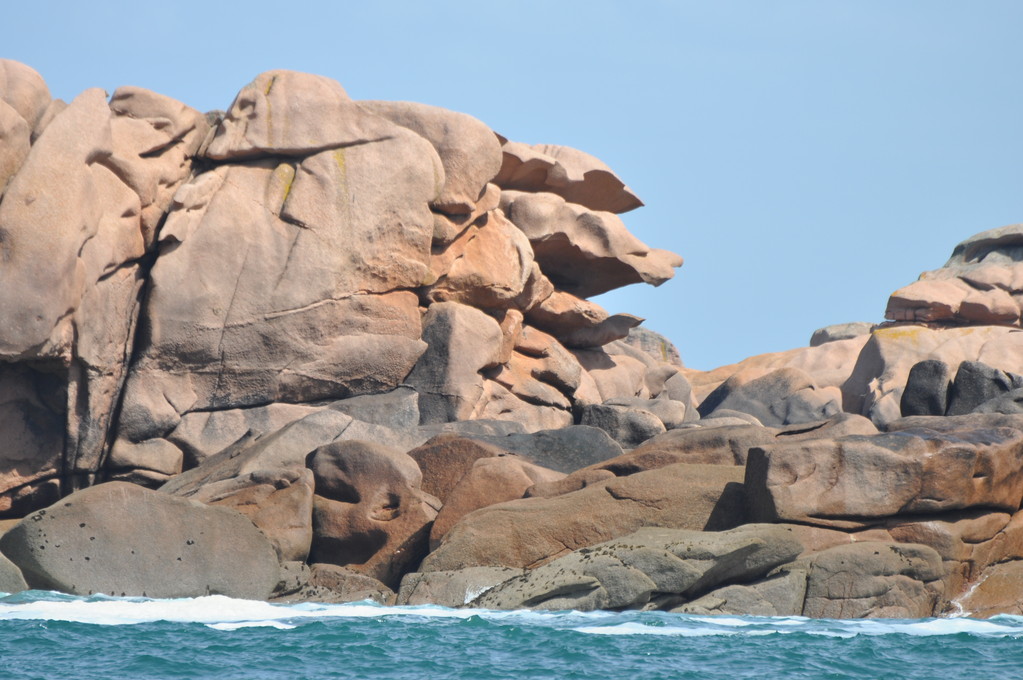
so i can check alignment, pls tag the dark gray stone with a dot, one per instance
(974, 384)
(1010, 402)
(566, 449)
(926, 392)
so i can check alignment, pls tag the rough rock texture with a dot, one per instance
(122, 539)
(854, 479)
(452, 588)
(369, 513)
(532, 531)
(981, 284)
(661, 565)
(353, 332)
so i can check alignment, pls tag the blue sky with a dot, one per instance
(805, 157)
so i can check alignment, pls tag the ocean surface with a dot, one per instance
(49, 636)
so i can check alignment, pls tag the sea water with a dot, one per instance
(49, 636)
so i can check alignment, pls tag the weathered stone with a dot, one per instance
(444, 459)
(15, 140)
(280, 504)
(24, 90)
(301, 312)
(452, 588)
(781, 397)
(855, 479)
(296, 114)
(487, 266)
(976, 383)
(154, 140)
(873, 580)
(670, 412)
(56, 186)
(490, 480)
(532, 531)
(369, 512)
(989, 307)
(781, 594)
(829, 365)
(462, 341)
(32, 415)
(841, 331)
(565, 449)
(875, 386)
(613, 376)
(122, 539)
(572, 174)
(11, 580)
(578, 323)
(468, 149)
(926, 392)
(332, 584)
(656, 345)
(996, 592)
(584, 252)
(927, 300)
(628, 572)
(629, 426)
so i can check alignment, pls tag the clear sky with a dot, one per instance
(805, 157)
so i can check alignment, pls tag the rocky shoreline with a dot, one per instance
(318, 349)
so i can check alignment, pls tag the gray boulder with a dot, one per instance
(926, 392)
(651, 566)
(122, 539)
(452, 588)
(629, 426)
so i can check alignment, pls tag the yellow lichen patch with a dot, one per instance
(269, 85)
(900, 332)
(342, 167)
(279, 187)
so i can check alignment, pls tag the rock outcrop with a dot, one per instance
(320, 349)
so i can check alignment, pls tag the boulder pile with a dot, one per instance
(313, 348)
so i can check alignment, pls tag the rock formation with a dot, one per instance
(316, 348)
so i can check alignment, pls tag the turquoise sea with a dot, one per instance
(49, 636)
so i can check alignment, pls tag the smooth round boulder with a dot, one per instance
(122, 539)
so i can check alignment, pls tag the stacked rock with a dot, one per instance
(351, 345)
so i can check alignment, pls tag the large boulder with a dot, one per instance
(369, 513)
(574, 175)
(293, 114)
(651, 567)
(582, 251)
(873, 580)
(489, 481)
(468, 149)
(878, 379)
(852, 480)
(532, 531)
(301, 312)
(981, 284)
(122, 539)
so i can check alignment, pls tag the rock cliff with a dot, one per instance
(318, 348)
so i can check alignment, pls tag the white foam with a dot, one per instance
(634, 628)
(251, 624)
(224, 613)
